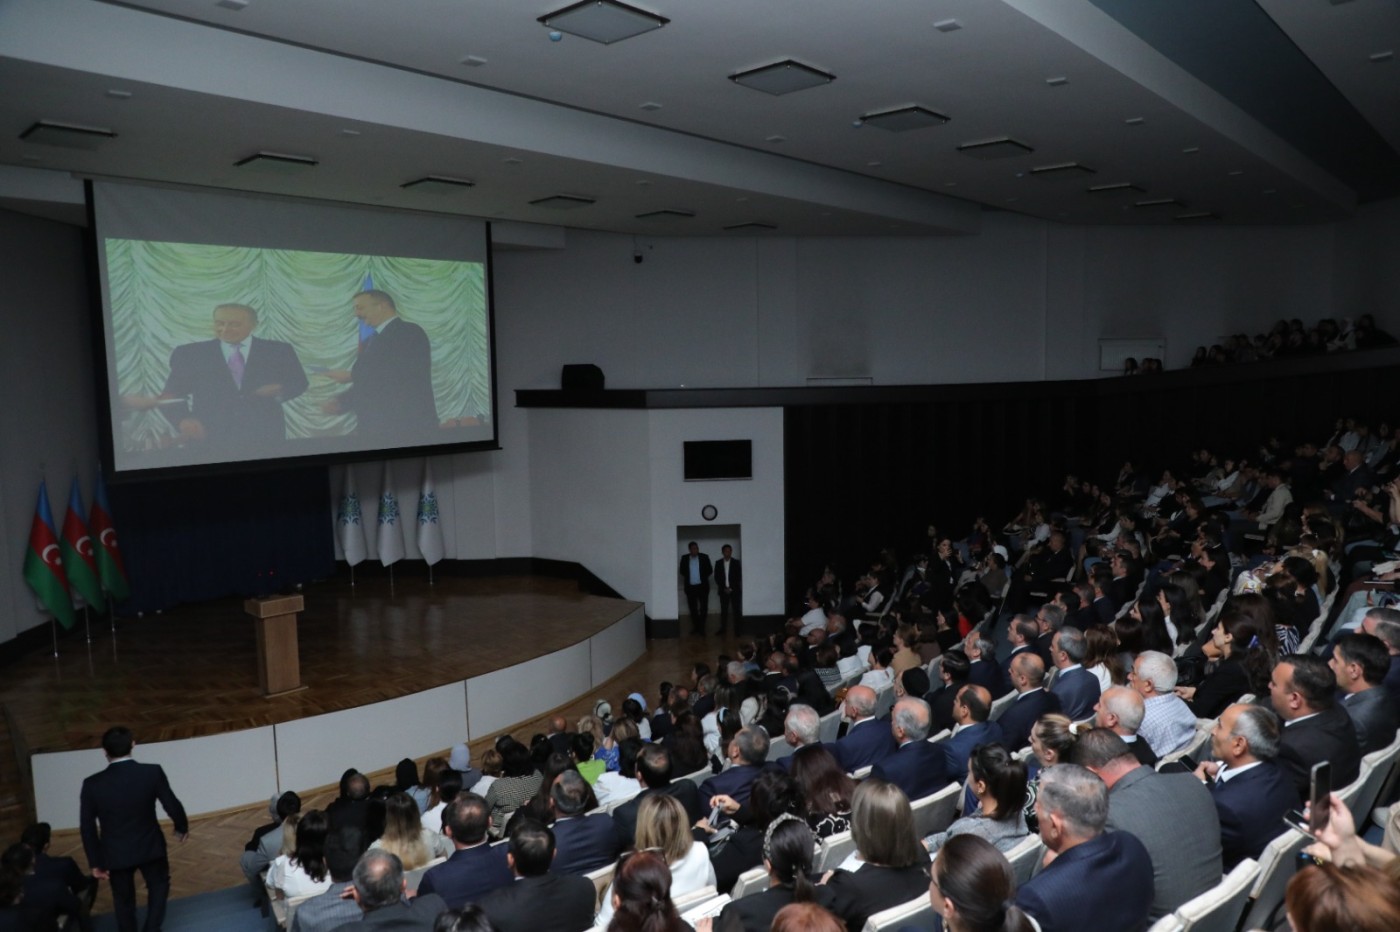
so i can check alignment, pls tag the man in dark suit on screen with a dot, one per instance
(121, 836)
(391, 383)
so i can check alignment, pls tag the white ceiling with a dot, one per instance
(377, 93)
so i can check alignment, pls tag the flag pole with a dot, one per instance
(53, 627)
(430, 574)
(87, 624)
(352, 576)
(391, 579)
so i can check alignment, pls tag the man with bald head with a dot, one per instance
(1032, 700)
(868, 740)
(1121, 710)
(971, 710)
(918, 767)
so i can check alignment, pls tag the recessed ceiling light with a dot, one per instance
(873, 164)
(903, 119)
(1062, 170)
(1003, 147)
(950, 184)
(605, 21)
(512, 160)
(753, 225)
(947, 25)
(117, 93)
(1159, 202)
(67, 135)
(1379, 57)
(473, 61)
(667, 213)
(776, 139)
(277, 163)
(349, 132)
(1237, 171)
(1135, 121)
(643, 183)
(1196, 216)
(1190, 150)
(440, 184)
(1118, 187)
(234, 5)
(782, 77)
(563, 202)
(650, 105)
(1059, 81)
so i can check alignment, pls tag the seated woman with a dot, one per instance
(787, 857)
(1101, 657)
(825, 789)
(519, 781)
(889, 866)
(973, 888)
(641, 896)
(662, 827)
(774, 793)
(590, 767)
(1051, 742)
(686, 742)
(406, 781)
(405, 836)
(303, 871)
(1180, 615)
(1245, 646)
(621, 784)
(998, 780)
(1142, 628)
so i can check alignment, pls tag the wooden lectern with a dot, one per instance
(279, 664)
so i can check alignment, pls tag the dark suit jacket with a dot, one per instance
(232, 415)
(736, 574)
(1327, 736)
(1392, 679)
(858, 895)
(736, 782)
(706, 569)
(625, 816)
(1104, 609)
(1251, 807)
(1373, 714)
(551, 903)
(1018, 720)
(1006, 664)
(1042, 647)
(867, 742)
(391, 391)
(987, 674)
(1120, 591)
(117, 815)
(940, 706)
(917, 768)
(584, 843)
(415, 915)
(1078, 692)
(1173, 816)
(1104, 883)
(467, 875)
(1143, 752)
(958, 748)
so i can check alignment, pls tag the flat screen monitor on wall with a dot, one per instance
(718, 459)
(242, 329)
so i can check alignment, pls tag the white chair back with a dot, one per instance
(862, 772)
(830, 723)
(750, 881)
(708, 909)
(999, 706)
(778, 748)
(292, 905)
(1168, 923)
(699, 776)
(601, 878)
(414, 876)
(917, 912)
(695, 897)
(1025, 856)
(942, 735)
(1219, 909)
(935, 812)
(835, 849)
(1376, 769)
(884, 701)
(1277, 865)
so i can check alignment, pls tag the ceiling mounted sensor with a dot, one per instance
(667, 213)
(605, 21)
(564, 202)
(438, 184)
(277, 163)
(782, 77)
(755, 225)
(1003, 147)
(1062, 170)
(903, 119)
(67, 135)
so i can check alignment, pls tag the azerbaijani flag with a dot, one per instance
(43, 565)
(78, 556)
(366, 331)
(111, 568)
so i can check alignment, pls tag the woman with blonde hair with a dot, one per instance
(663, 827)
(405, 836)
(1051, 741)
(890, 865)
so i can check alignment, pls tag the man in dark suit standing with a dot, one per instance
(539, 901)
(1360, 663)
(695, 571)
(121, 836)
(1251, 793)
(918, 767)
(232, 387)
(1032, 700)
(379, 888)
(391, 383)
(1315, 727)
(729, 581)
(475, 867)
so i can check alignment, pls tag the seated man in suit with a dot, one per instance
(1172, 814)
(539, 901)
(1049, 619)
(971, 712)
(1251, 792)
(982, 669)
(801, 728)
(475, 867)
(917, 767)
(1032, 700)
(1021, 633)
(952, 675)
(868, 740)
(1360, 663)
(335, 907)
(582, 843)
(747, 754)
(65, 870)
(379, 889)
(1315, 727)
(1168, 724)
(1097, 879)
(1120, 710)
(654, 774)
(1075, 687)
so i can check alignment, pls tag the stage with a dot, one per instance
(388, 674)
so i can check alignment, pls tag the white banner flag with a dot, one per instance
(390, 538)
(429, 519)
(350, 526)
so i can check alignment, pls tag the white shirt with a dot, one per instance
(688, 874)
(1226, 774)
(228, 348)
(814, 619)
(613, 787)
(286, 875)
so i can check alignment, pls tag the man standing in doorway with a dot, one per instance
(729, 580)
(695, 570)
(120, 833)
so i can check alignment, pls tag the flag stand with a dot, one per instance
(53, 623)
(352, 576)
(87, 624)
(430, 574)
(112, 618)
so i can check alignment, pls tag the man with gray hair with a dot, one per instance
(1120, 710)
(917, 767)
(379, 889)
(1049, 619)
(1167, 722)
(747, 754)
(982, 667)
(1075, 687)
(1251, 792)
(801, 728)
(1170, 813)
(1093, 879)
(1384, 623)
(582, 842)
(867, 740)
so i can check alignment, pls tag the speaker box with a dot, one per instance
(581, 377)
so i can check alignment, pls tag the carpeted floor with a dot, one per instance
(230, 910)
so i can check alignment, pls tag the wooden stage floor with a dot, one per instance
(193, 671)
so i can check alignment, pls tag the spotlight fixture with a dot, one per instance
(667, 213)
(782, 77)
(277, 163)
(752, 225)
(605, 21)
(563, 202)
(439, 184)
(902, 119)
(1002, 147)
(67, 135)
(1062, 170)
